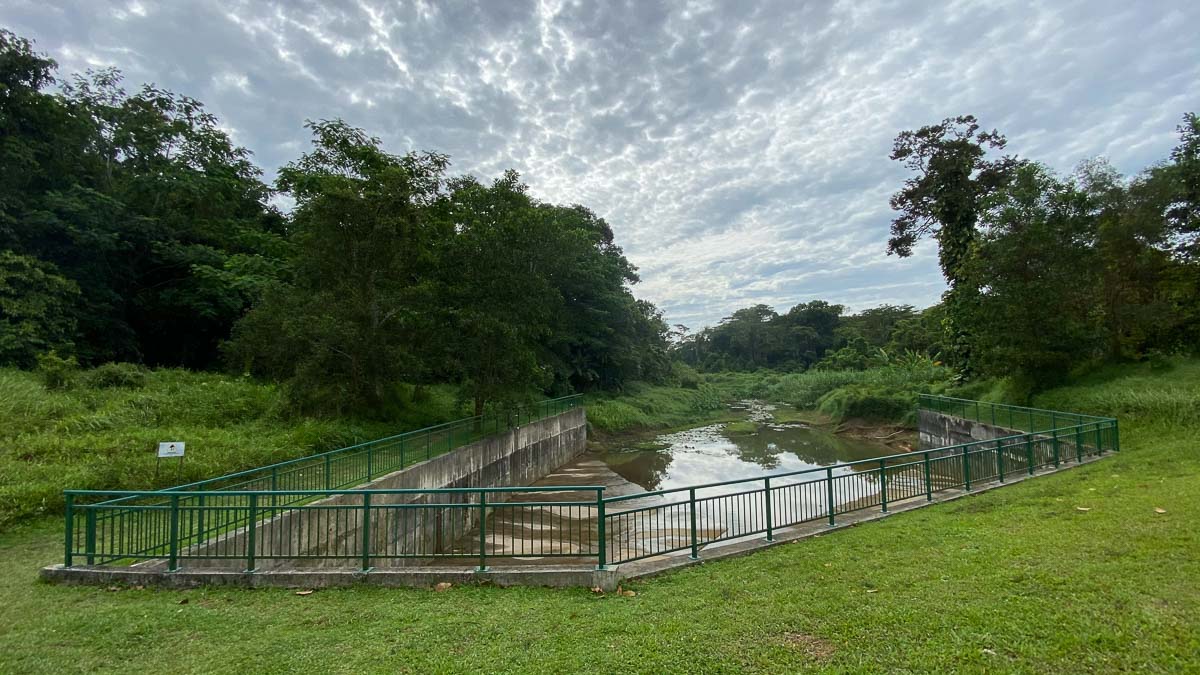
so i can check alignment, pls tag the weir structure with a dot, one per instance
(445, 504)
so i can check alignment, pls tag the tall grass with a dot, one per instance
(1164, 396)
(103, 437)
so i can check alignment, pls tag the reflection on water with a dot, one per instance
(711, 453)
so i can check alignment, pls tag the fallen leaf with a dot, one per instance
(183, 601)
(308, 592)
(628, 594)
(1083, 508)
(443, 586)
(113, 588)
(872, 590)
(985, 650)
(1159, 509)
(829, 564)
(598, 590)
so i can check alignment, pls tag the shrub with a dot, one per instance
(123, 375)
(55, 371)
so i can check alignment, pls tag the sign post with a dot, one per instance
(170, 449)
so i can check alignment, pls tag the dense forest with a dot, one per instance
(133, 230)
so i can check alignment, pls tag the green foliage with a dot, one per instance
(57, 372)
(97, 434)
(124, 375)
(36, 309)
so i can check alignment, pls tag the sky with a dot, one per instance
(739, 150)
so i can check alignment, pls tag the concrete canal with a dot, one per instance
(756, 446)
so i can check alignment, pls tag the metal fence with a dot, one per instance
(687, 519)
(247, 523)
(129, 526)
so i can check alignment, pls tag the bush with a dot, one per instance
(123, 375)
(55, 371)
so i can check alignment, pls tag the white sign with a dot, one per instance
(174, 449)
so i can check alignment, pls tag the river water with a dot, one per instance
(759, 446)
(712, 453)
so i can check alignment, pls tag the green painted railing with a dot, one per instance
(138, 525)
(248, 525)
(658, 522)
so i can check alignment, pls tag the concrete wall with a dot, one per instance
(432, 524)
(937, 430)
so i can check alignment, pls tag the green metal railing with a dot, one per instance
(132, 525)
(200, 524)
(363, 527)
(689, 518)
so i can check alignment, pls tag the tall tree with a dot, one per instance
(943, 200)
(348, 327)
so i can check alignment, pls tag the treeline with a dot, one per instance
(1046, 273)
(133, 230)
(816, 334)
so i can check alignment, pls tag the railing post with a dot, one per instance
(328, 478)
(770, 516)
(1054, 446)
(370, 463)
(366, 531)
(70, 525)
(482, 532)
(1031, 420)
(602, 556)
(173, 545)
(200, 517)
(883, 484)
(274, 487)
(1078, 443)
(967, 467)
(1029, 452)
(401, 452)
(928, 479)
(1099, 440)
(1116, 427)
(90, 535)
(1000, 459)
(250, 532)
(692, 505)
(829, 493)
(428, 445)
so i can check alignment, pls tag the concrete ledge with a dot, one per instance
(557, 576)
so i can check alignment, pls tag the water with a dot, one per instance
(711, 453)
(706, 454)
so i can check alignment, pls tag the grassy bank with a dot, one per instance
(1018, 580)
(887, 394)
(101, 434)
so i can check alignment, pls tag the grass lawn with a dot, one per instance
(1015, 580)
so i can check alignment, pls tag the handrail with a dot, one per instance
(569, 402)
(182, 522)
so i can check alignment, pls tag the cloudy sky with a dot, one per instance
(738, 149)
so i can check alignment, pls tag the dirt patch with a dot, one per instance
(813, 647)
(898, 437)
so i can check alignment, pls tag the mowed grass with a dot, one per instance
(1017, 580)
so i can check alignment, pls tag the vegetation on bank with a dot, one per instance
(98, 430)
(1018, 580)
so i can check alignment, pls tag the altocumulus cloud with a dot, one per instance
(738, 149)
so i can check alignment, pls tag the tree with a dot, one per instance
(1038, 276)
(142, 201)
(36, 310)
(349, 325)
(944, 200)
